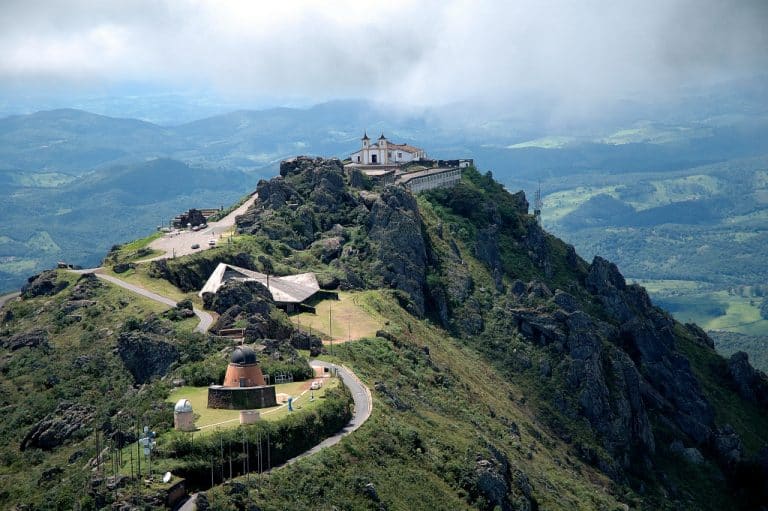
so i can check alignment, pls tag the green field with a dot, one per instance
(716, 310)
(344, 319)
(210, 419)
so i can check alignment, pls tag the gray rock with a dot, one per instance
(565, 301)
(728, 445)
(56, 428)
(146, 355)
(750, 383)
(32, 339)
(395, 228)
(43, 284)
(328, 249)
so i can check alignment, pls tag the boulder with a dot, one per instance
(86, 287)
(57, 427)
(33, 339)
(751, 384)
(146, 355)
(328, 249)
(43, 284)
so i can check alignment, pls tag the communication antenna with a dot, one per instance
(537, 203)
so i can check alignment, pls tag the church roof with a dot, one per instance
(365, 136)
(404, 147)
(382, 137)
(287, 289)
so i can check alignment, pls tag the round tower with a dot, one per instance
(183, 417)
(243, 369)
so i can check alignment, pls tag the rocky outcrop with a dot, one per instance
(86, 287)
(235, 292)
(501, 484)
(146, 355)
(32, 339)
(46, 283)
(751, 384)
(56, 428)
(395, 228)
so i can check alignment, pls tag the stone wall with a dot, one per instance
(241, 398)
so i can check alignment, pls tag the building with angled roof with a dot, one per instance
(288, 291)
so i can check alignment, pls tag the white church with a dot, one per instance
(384, 152)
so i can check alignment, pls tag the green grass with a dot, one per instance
(211, 418)
(718, 310)
(349, 320)
(138, 276)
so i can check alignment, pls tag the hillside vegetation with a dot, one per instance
(509, 374)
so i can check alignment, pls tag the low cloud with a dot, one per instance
(577, 55)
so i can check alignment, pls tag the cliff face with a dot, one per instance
(511, 373)
(368, 239)
(602, 354)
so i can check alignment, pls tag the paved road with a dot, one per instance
(180, 243)
(7, 298)
(363, 407)
(206, 320)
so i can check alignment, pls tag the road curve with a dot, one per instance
(363, 407)
(363, 400)
(180, 244)
(206, 320)
(8, 297)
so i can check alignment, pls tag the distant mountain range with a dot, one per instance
(77, 182)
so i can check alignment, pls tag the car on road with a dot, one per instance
(211, 243)
(195, 246)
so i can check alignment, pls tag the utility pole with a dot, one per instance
(330, 323)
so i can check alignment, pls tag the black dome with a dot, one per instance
(243, 355)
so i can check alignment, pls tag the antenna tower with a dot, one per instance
(537, 203)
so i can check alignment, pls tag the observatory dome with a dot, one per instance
(243, 355)
(182, 405)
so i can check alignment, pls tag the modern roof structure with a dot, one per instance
(287, 289)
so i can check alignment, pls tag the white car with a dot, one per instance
(316, 385)
(211, 243)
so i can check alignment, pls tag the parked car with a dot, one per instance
(195, 246)
(316, 385)
(211, 243)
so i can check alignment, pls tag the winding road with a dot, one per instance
(8, 297)
(361, 395)
(206, 320)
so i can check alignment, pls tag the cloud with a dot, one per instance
(576, 54)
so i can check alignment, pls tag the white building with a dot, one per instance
(384, 152)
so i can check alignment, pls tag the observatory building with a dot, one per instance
(183, 418)
(244, 387)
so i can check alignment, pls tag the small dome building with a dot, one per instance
(183, 416)
(243, 369)
(244, 387)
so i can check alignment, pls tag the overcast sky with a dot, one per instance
(576, 52)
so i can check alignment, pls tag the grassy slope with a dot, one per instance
(455, 406)
(80, 367)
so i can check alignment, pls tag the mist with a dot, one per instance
(568, 59)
